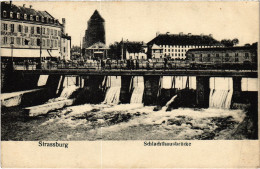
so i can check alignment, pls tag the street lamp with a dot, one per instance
(12, 57)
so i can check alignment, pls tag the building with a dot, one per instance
(95, 33)
(239, 54)
(175, 46)
(97, 51)
(27, 33)
(133, 50)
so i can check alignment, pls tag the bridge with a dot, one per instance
(143, 72)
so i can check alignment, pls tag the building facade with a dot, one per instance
(175, 46)
(133, 50)
(30, 34)
(239, 55)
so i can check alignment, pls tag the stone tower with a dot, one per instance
(95, 31)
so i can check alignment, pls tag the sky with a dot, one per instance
(139, 21)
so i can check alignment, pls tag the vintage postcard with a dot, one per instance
(126, 84)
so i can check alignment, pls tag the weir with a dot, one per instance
(138, 90)
(96, 87)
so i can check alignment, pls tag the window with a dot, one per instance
(192, 57)
(246, 55)
(179, 50)
(12, 40)
(175, 50)
(26, 29)
(38, 29)
(20, 28)
(236, 59)
(64, 49)
(42, 19)
(32, 42)
(48, 42)
(55, 43)
(169, 50)
(26, 42)
(43, 42)
(236, 54)
(43, 30)
(55, 32)
(51, 31)
(59, 33)
(38, 42)
(48, 31)
(5, 27)
(200, 57)
(165, 50)
(25, 16)
(226, 57)
(31, 17)
(12, 27)
(5, 40)
(11, 14)
(217, 55)
(37, 18)
(18, 41)
(59, 44)
(208, 58)
(18, 16)
(172, 50)
(32, 30)
(4, 14)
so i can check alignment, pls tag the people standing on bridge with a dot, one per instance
(165, 62)
(26, 65)
(136, 64)
(132, 64)
(128, 64)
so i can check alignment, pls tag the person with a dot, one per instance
(128, 64)
(26, 64)
(136, 64)
(165, 62)
(132, 64)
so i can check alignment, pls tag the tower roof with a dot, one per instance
(97, 17)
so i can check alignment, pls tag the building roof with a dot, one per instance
(251, 47)
(9, 7)
(156, 47)
(98, 45)
(182, 39)
(97, 17)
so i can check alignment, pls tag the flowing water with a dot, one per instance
(137, 95)
(113, 91)
(113, 121)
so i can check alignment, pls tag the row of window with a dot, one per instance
(176, 50)
(33, 30)
(184, 46)
(217, 55)
(30, 17)
(32, 42)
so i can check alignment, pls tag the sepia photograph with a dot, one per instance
(120, 71)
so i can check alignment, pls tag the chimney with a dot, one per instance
(30, 6)
(157, 34)
(189, 34)
(23, 5)
(181, 33)
(64, 25)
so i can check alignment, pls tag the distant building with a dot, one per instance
(241, 54)
(133, 50)
(97, 51)
(24, 31)
(175, 46)
(95, 33)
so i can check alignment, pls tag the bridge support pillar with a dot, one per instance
(203, 91)
(52, 84)
(151, 87)
(93, 89)
(237, 88)
(125, 92)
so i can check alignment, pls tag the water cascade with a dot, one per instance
(220, 98)
(220, 93)
(138, 86)
(113, 92)
(67, 91)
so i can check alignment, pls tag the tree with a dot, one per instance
(229, 42)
